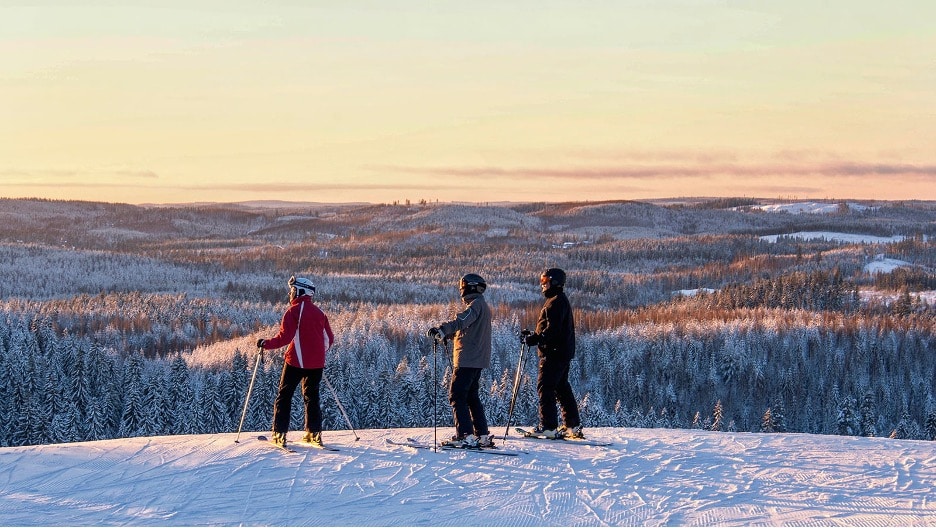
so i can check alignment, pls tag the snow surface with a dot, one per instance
(648, 477)
(693, 292)
(882, 264)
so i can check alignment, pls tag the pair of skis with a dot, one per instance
(580, 441)
(288, 449)
(415, 444)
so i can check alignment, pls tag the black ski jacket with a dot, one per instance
(556, 327)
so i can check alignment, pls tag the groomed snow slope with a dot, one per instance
(648, 477)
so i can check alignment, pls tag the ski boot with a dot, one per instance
(464, 442)
(278, 439)
(574, 433)
(551, 434)
(313, 438)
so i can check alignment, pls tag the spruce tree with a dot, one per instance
(931, 425)
(181, 402)
(697, 421)
(47, 412)
(778, 415)
(847, 419)
(905, 428)
(767, 422)
(133, 413)
(867, 416)
(97, 420)
(717, 417)
(155, 415)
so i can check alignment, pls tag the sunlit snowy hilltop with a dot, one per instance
(647, 477)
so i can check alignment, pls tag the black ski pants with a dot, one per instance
(552, 385)
(466, 404)
(282, 406)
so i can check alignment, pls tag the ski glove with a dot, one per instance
(435, 333)
(531, 340)
(260, 343)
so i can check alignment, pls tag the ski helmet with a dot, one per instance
(555, 276)
(471, 283)
(302, 285)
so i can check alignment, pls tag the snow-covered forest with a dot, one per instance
(120, 320)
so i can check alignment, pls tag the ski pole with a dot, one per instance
(249, 390)
(516, 387)
(340, 406)
(435, 396)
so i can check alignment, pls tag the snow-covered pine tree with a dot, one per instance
(181, 398)
(155, 403)
(905, 427)
(867, 416)
(930, 427)
(767, 422)
(717, 417)
(133, 413)
(847, 421)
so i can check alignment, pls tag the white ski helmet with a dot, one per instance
(302, 285)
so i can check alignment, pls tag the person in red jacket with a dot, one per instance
(306, 330)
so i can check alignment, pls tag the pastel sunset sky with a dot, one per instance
(482, 101)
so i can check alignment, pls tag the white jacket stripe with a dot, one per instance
(296, 341)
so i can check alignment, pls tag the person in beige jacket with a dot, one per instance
(471, 330)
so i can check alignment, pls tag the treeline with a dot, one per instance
(161, 325)
(153, 325)
(818, 290)
(914, 280)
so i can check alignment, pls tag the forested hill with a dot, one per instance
(121, 320)
(123, 227)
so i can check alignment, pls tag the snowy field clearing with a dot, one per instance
(844, 238)
(648, 477)
(808, 207)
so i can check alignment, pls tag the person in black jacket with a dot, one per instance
(555, 341)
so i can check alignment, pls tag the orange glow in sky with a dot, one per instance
(197, 100)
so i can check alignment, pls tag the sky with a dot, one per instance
(227, 100)
(647, 477)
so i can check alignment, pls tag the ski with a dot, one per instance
(277, 446)
(316, 446)
(408, 443)
(484, 450)
(416, 444)
(580, 441)
(301, 443)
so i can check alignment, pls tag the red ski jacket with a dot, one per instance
(305, 328)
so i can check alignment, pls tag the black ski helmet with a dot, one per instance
(302, 285)
(556, 277)
(471, 283)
